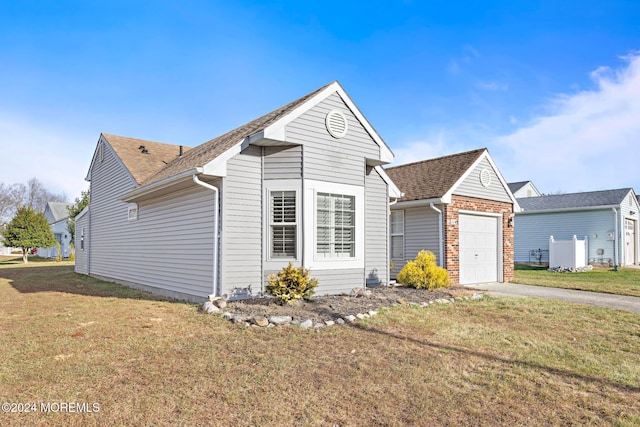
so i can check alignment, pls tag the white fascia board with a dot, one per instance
(394, 191)
(82, 213)
(516, 206)
(575, 209)
(277, 131)
(447, 196)
(159, 185)
(418, 203)
(218, 166)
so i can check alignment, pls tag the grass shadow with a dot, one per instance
(63, 279)
(495, 358)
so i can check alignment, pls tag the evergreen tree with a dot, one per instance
(27, 230)
(74, 210)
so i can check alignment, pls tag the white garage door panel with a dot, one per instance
(478, 249)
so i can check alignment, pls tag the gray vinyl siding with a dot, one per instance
(283, 162)
(169, 248)
(532, 231)
(81, 263)
(331, 282)
(472, 187)
(376, 229)
(241, 252)
(327, 158)
(420, 233)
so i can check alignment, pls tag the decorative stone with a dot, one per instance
(319, 325)
(260, 321)
(476, 296)
(452, 300)
(227, 315)
(209, 307)
(367, 293)
(306, 324)
(372, 313)
(356, 292)
(280, 320)
(237, 319)
(350, 318)
(340, 321)
(219, 302)
(329, 322)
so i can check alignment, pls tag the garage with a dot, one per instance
(479, 248)
(460, 208)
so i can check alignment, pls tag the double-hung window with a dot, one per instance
(335, 236)
(397, 234)
(283, 224)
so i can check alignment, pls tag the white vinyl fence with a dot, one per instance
(567, 253)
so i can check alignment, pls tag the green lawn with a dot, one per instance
(152, 361)
(625, 281)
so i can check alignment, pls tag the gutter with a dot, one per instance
(585, 208)
(215, 231)
(417, 203)
(440, 232)
(138, 192)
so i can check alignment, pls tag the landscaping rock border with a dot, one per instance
(382, 297)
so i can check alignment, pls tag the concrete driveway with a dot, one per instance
(618, 302)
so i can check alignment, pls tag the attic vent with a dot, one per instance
(485, 177)
(336, 124)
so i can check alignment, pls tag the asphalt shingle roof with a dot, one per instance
(204, 153)
(432, 178)
(515, 186)
(143, 165)
(59, 210)
(574, 200)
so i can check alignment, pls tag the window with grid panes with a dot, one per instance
(335, 225)
(283, 224)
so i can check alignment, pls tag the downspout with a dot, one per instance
(440, 239)
(215, 231)
(615, 239)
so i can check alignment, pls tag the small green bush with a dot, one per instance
(292, 283)
(424, 273)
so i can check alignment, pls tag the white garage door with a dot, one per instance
(478, 249)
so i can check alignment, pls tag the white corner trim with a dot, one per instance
(394, 191)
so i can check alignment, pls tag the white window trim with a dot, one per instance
(276, 263)
(392, 235)
(312, 260)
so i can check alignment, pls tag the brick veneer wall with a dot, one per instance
(451, 233)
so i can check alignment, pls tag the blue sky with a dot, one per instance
(553, 90)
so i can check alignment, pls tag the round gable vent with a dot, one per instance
(485, 177)
(336, 124)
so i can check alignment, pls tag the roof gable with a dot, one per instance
(58, 211)
(590, 199)
(143, 158)
(433, 178)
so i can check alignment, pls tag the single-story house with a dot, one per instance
(460, 208)
(524, 189)
(301, 184)
(57, 213)
(608, 219)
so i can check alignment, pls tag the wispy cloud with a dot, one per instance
(491, 86)
(587, 141)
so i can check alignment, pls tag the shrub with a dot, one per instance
(291, 283)
(424, 273)
(72, 252)
(58, 252)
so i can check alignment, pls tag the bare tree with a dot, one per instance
(33, 195)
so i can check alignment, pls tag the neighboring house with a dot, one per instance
(523, 189)
(57, 214)
(460, 208)
(302, 184)
(609, 219)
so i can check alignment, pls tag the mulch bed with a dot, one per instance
(331, 307)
